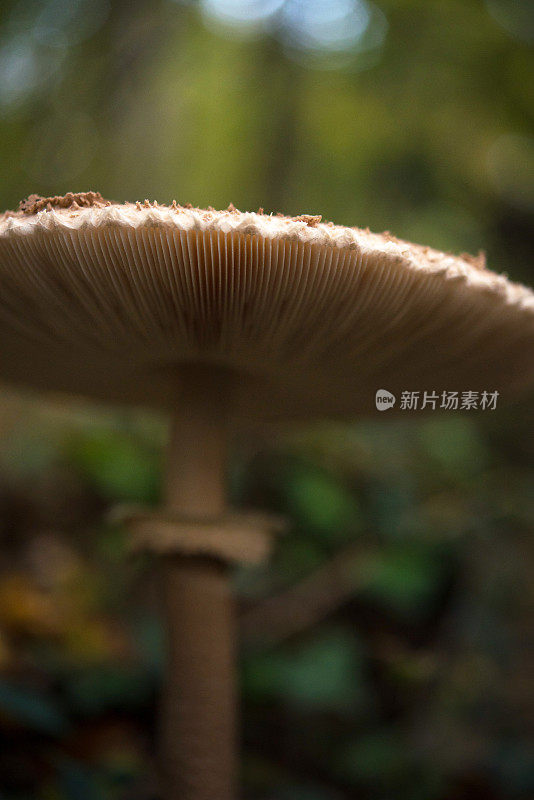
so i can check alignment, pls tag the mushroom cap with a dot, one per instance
(112, 300)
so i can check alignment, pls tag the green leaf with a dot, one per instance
(454, 445)
(96, 689)
(405, 578)
(321, 505)
(323, 674)
(122, 469)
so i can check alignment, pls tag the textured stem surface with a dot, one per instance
(198, 727)
(198, 720)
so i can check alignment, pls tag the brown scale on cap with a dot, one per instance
(311, 220)
(478, 261)
(75, 201)
(36, 202)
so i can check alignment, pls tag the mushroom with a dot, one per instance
(216, 316)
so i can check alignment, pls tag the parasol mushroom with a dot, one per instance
(220, 315)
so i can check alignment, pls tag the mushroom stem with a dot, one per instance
(199, 703)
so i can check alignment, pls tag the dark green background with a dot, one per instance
(414, 537)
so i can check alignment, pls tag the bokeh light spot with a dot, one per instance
(246, 14)
(24, 67)
(338, 25)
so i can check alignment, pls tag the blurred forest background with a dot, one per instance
(387, 650)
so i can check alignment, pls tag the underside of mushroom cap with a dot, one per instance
(111, 300)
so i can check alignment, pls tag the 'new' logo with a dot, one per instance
(384, 400)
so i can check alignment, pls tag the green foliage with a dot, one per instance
(455, 446)
(102, 687)
(321, 505)
(117, 465)
(385, 761)
(322, 674)
(405, 578)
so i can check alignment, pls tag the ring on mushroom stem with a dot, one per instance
(217, 316)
